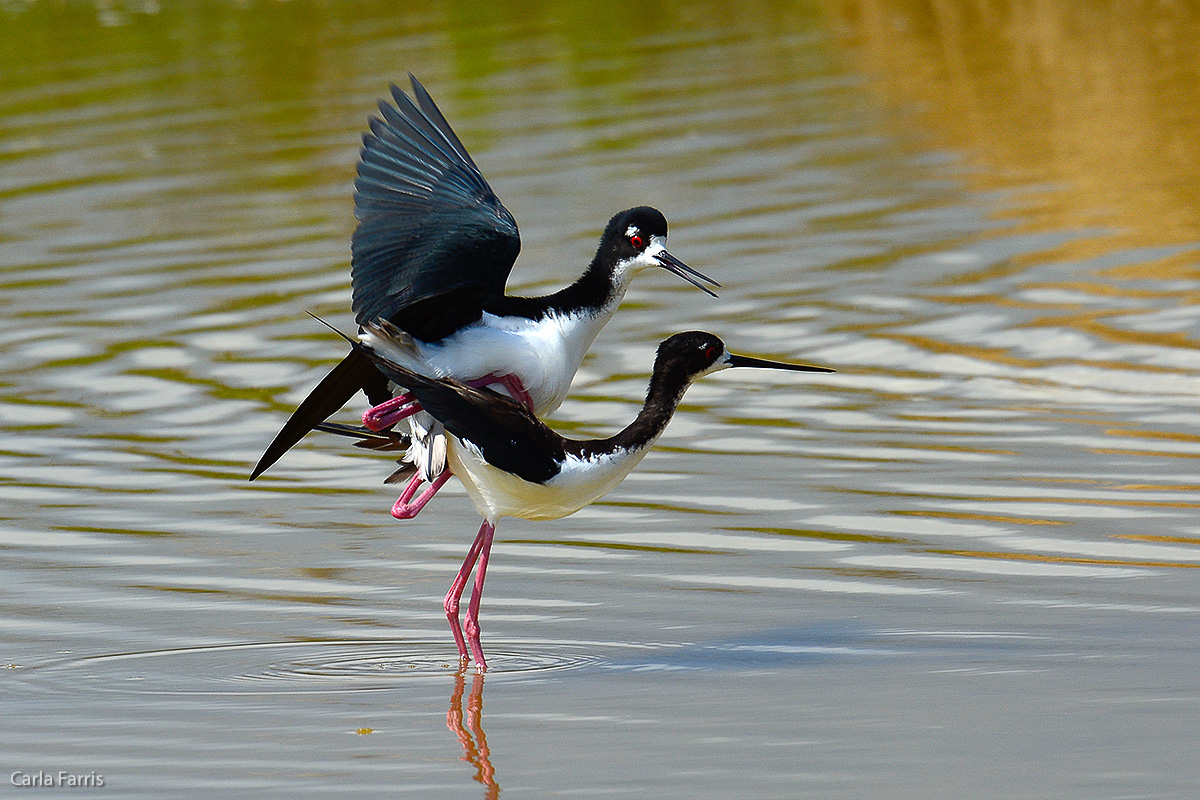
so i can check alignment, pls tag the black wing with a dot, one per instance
(433, 241)
(432, 245)
(510, 437)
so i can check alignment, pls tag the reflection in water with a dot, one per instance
(468, 730)
(1078, 119)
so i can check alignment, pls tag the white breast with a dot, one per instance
(544, 354)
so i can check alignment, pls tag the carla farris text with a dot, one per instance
(70, 780)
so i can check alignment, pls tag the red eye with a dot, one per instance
(710, 353)
(637, 242)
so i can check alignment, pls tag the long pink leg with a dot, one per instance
(453, 596)
(403, 509)
(472, 626)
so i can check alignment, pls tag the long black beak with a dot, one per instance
(670, 262)
(750, 361)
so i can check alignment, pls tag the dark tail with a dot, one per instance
(367, 438)
(353, 373)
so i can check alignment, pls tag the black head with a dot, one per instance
(692, 354)
(697, 353)
(642, 222)
(636, 239)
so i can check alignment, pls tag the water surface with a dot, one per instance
(964, 566)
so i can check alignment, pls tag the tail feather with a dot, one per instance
(383, 441)
(353, 373)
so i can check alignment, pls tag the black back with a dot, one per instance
(512, 439)
(433, 241)
(509, 436)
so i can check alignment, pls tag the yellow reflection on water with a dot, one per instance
(1048, 559)
(1096, 103)
(1150, 538)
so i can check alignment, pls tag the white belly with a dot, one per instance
(496, 493)
(544, 354)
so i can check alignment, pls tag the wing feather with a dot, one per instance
(433, 241)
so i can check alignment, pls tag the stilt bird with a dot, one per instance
(512, 465)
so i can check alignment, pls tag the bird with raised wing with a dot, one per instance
(432, 254)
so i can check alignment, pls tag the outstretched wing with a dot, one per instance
(509, 436)
(433, 241)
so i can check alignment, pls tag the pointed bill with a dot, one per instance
(750, 361)
(692, 276)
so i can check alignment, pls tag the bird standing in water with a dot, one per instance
(432, 253)
(512, 465)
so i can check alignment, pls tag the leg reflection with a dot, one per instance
(469, 732)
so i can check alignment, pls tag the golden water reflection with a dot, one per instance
(984, 214)
(1089, 110)
(1078, 311)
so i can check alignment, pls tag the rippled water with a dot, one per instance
(964, 566)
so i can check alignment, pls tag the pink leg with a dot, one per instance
(403, 509)
(517, 390)
(390, 412)
(472, 626)
(453, 596)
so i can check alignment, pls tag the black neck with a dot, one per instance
(593, 291)
(666, 390)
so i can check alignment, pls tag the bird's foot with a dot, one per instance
(468, 646)
(456, 629)
(517, 390)
(472, 631)
(404, 509)
(389, 412)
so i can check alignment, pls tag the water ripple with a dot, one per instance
(306, 667)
